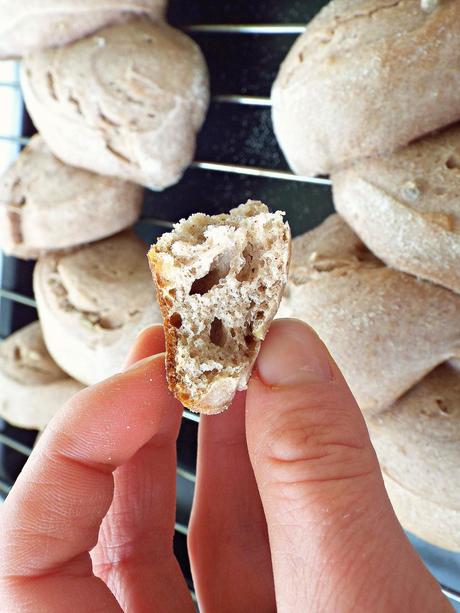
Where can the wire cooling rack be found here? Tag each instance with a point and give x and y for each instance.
(237, 157)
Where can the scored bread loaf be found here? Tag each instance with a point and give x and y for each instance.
(125, 102)
(32, 386)
(367, 77)
(92, 303)
(46, 205)
(405, 207)
(418, 445)
(30, 25)
(385, 329)
(219, 282)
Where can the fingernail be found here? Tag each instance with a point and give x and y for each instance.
(141, 363)
(292, 354)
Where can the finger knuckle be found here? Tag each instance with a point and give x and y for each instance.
(303, 449)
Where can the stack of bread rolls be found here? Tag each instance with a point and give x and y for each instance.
(118, 97)
(360, 97)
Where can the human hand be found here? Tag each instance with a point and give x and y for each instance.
(89, 523)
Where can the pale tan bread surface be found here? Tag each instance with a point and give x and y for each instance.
(30, 25)
(406, 207)
(32, 386)
(219, 282)
(126, 101)
(385, 329)
(93, 302)
(418, 445)
(46, 205)
(367, 77)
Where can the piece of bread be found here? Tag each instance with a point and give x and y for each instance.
(46, 205)
(219, 282)
(32, 386)
(418, 445)
(93, 302)
(30, 25)
(367, 77)
(385, 329)
(405, 207)
(126, 102)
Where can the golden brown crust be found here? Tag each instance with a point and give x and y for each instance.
(169, 330)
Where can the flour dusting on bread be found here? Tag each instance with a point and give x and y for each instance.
(220, 281)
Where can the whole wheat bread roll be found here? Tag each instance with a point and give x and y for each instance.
(46, 205)
(126, 102)
(93, 302)
(32, 386)
(385, 329)
(418, 445)
(30, 25)
(219, 281)
(367, 77)
(406, 207)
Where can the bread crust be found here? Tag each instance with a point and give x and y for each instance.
(417, 442)
(399, 327)
(88, 331)
(405, 207)
(46, 205)
(127, 101)
(32, 386)
(366, 77)
(31, 25)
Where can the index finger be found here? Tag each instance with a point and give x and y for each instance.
(52, 516)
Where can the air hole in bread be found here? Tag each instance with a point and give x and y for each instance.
(175, 320)
(248, 269)
(218, 271)
(250, 341)
(452, 163)
(217, 333)
(442, 406)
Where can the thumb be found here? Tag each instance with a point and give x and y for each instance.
(335, 542)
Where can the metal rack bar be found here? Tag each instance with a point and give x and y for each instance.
(13, 444)
(191, 416)
(186, 474)
(15, 297)
(20, 140)
(161, 223)
(450, 593)
(181, 528)
(240, 169)
(245, 100)
(246, 28)
(4, 487)
(268, 173)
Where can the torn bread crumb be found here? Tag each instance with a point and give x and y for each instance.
(220, 280)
